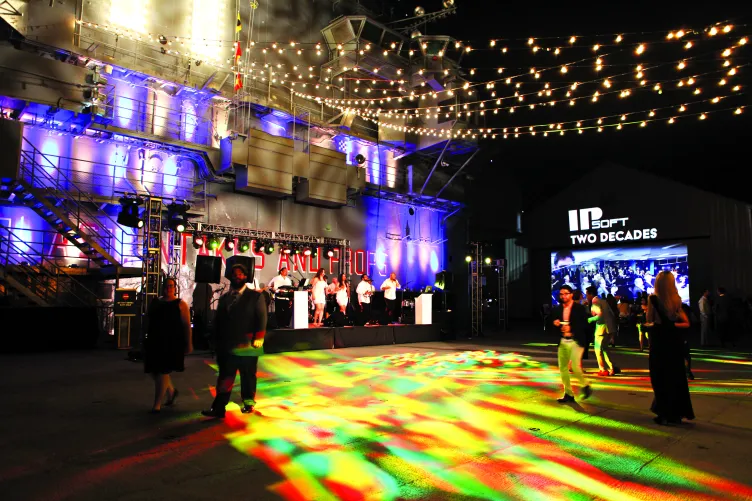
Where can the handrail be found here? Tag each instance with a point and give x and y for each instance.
(45, 268)
(104, 236)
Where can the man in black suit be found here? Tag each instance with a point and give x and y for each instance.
(571, 319)
(240, 327)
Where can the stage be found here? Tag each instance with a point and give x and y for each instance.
(326, 338)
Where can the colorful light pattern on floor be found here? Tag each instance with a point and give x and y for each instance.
(464, 425)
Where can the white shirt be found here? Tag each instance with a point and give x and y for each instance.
(279, 281)
(361, 290)
(391, 292)
(705, 306)
(254, 285)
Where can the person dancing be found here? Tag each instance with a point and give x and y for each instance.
(390, 287)
(318, 291)
(571, 319)
(665, 320)
(168, 340)
(343, 293)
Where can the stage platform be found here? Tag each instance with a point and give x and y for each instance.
(326, 338)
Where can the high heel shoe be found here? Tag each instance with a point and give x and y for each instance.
(172, 398)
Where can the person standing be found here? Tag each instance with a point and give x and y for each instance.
(318, 293)
(666, 319)
(571, 320)
(343, 293)
(364, 291)
(168, 339)
(390, 287)
(240, 327)
(705, 311)
(605, 326)
(722, 310)
(282, 310)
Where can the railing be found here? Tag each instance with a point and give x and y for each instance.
(45, 279)
(72, 201)
(110, 182)
(53, 247)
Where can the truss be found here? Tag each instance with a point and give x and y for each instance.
(263, 235)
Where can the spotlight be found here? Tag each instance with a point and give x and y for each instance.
(258, 247)
(468, 259)
(286, 249)
(198, 63)
(244, 245)
(163, 39)
(129, 212)
(198, 241)
(360, 159)
(229, 243)
(269, 248)
(411, 210)
(307, 251)
(314, 251)
(213, 242)
(488, 260)
(177, 216)
(329, 252)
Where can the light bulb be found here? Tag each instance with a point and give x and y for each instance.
(596, 47)
(671, 120)
(640, 49)
(703, 116)
(743, 41)
(530, 41)
(572, 39)
(726, 53)
(688, 45)
(681, 65)
(738, 111)
(618, 38)
(682, 108)
(651, 114)
(727, 28)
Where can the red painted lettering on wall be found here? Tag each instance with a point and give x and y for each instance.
(360, 262)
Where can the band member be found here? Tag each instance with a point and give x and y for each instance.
(333, 287)
(240, 325)
(390, 287)
(364, 291)
(343, 292)
(318, 292)
(282, 310)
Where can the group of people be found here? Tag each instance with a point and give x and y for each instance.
(665, 319)
(338, 293)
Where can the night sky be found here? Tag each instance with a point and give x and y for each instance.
(712, 154)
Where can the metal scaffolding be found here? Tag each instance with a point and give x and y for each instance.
(481, 293)
(476, 290)
(152, 262)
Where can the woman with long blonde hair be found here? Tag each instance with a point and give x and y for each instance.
(665, 321)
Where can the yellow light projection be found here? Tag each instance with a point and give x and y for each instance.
(131, 14)
(207, 29)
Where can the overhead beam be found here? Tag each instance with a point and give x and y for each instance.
(438, 160)
(457, 173)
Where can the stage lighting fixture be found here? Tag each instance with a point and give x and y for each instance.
(129, 212)
(468, 259)
(411, 211)
(286, 249)
(307, 251)
(244, 245)
(213, 242)
(360, 159)
(229, 243)
(488, 260)
(329, 252)
(198, 241)
(269, 248)
(177, 216)
(314, 251)
(258, 246)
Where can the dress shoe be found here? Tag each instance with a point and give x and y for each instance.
(586, 392)
(247, 409)
(565, 399)
(172, 398)
(214, 413)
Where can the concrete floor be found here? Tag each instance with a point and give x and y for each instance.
(461, 420)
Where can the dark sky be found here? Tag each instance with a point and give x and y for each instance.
(712, 154)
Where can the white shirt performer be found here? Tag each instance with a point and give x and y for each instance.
(282, 309)
(390, 287)
(364, 291)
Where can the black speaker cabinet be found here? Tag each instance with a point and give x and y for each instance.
(248, 261)
(208, 269)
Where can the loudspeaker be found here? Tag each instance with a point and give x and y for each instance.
(248, 261)
(444, 280)
(208, 269)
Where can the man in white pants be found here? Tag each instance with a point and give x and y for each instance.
(571, 319)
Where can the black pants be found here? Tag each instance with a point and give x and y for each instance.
(365, 313)
(391, 309)
(282, 312)
(229, 365)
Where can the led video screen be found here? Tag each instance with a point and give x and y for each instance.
(624, 272)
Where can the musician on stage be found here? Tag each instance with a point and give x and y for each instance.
(390, 287)
(365, 290)
(333, 287)
(282, 310)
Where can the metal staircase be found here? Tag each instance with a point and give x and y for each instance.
(43, 187)
(37, 277)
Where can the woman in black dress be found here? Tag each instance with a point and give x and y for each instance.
(666, 320)
(168, 340)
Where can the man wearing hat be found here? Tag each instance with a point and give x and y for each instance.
(239, 327)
